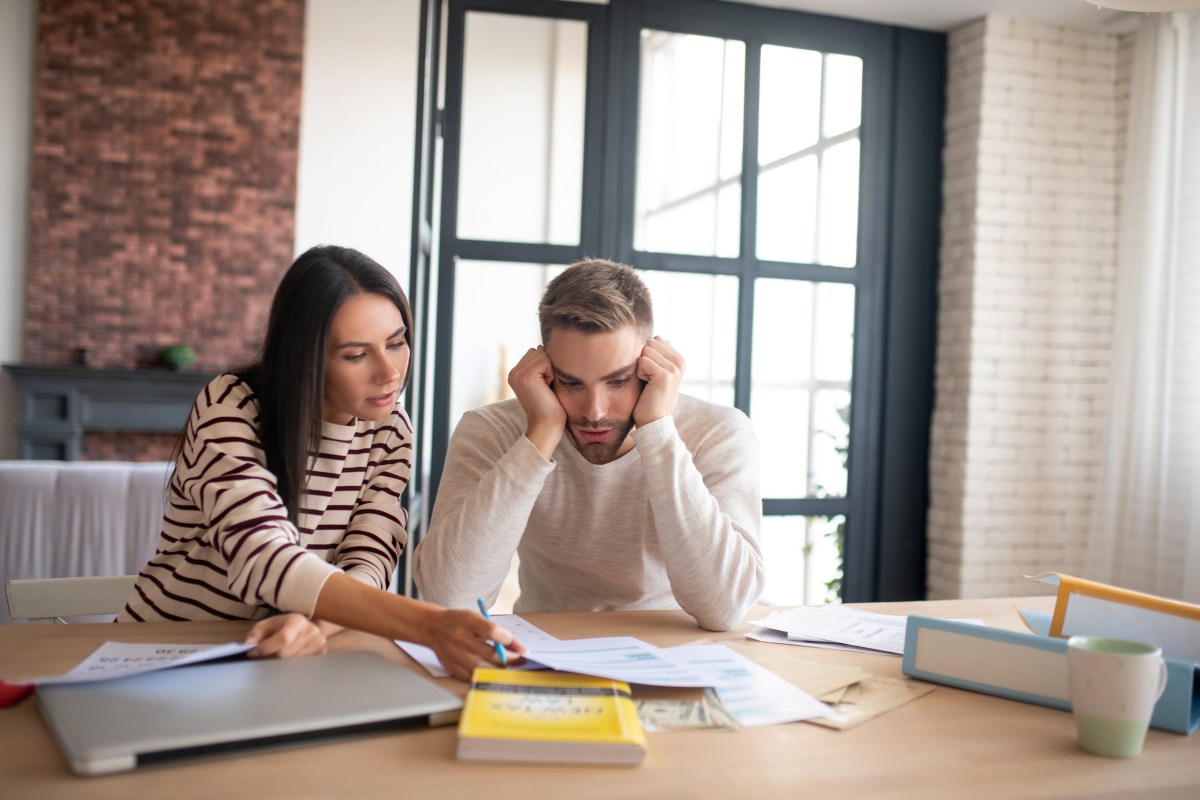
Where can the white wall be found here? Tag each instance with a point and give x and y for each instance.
(18, 32)
(1034, 140)
(357, 119)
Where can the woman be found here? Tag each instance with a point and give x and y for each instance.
(255, 528)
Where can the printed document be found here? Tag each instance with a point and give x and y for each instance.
(622, 658)
(118, 659)
(840, 625)
(753, 694)
(529, 634)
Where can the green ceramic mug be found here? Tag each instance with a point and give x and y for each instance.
(1114, 686)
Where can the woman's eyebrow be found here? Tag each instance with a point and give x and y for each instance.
(398, 332)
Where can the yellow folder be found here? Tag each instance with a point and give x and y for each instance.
(1090, 608)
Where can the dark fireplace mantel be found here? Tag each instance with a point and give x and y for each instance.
(60, 403)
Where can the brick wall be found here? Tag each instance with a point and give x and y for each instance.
(125, 446)
(1034, 140)
(163, 179)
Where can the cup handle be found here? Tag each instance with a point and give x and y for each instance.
(1162, 680)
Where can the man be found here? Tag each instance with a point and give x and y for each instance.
(616, 491)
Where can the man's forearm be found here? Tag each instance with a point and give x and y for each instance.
(476, 528)
(707, 530)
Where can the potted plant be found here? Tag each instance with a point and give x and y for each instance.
(178, 356)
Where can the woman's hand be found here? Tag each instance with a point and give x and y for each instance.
(463, 641)
(286, 636)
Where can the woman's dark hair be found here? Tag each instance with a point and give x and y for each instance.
(289, 376)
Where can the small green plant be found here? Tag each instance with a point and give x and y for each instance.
(833, 586)
(178, 356)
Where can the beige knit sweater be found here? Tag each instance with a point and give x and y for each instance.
(672, 523)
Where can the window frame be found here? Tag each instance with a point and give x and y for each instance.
(895, 277)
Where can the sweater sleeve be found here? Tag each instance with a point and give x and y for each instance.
(225, 478)
(376, 533)
(707, 508)
(489, 486)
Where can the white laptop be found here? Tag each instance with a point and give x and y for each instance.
(229, 708)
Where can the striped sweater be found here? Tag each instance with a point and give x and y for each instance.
(227, 549)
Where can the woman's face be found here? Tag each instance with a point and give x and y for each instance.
(366, 360)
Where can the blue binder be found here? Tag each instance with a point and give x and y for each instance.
(1027, 667)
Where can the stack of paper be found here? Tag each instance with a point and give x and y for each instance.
(753, 694)
(749, 684)
(853, 695)
(838, 627)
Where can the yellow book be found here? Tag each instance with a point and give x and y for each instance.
(513, 715)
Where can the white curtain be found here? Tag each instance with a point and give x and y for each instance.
(1146, 526)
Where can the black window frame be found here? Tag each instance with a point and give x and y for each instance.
(895, 278)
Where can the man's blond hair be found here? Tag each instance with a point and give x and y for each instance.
(596, 295)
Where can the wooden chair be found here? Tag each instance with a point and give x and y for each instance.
(47, 600)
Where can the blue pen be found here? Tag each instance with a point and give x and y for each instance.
(499, 647)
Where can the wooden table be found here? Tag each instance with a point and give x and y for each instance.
(949, 743)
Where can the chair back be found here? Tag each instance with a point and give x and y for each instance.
(45, 600)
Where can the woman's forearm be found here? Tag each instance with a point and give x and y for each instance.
(349, 603)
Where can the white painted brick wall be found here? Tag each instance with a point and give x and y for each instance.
(1035, 127)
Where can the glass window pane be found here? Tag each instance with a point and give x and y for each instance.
(787, 212)
(697, 314)
(789, 97)
(839, 205)
(782, 331)
(521, 159)
(729, 220)
(834, 304)
(800, 389)
(781, 384)
(690, 226)
(803, 559)
(495, 322)
(843, 94)
(697, 226)
(830, 442)
(780, 415)
(810, 111)
(689, 144)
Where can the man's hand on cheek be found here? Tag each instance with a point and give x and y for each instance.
(531, 380)
(661, 367)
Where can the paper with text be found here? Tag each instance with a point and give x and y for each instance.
(118, 659)
(622, 658)
(529, 634)
(772, 636)
(753, 694)
(841, 625)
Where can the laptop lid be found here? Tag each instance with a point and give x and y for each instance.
(228, 708)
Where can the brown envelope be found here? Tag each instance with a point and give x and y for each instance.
(856, 696)
(876, 696)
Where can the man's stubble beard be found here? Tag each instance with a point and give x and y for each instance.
(601, 452)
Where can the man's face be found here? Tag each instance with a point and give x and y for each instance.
(595, 380)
